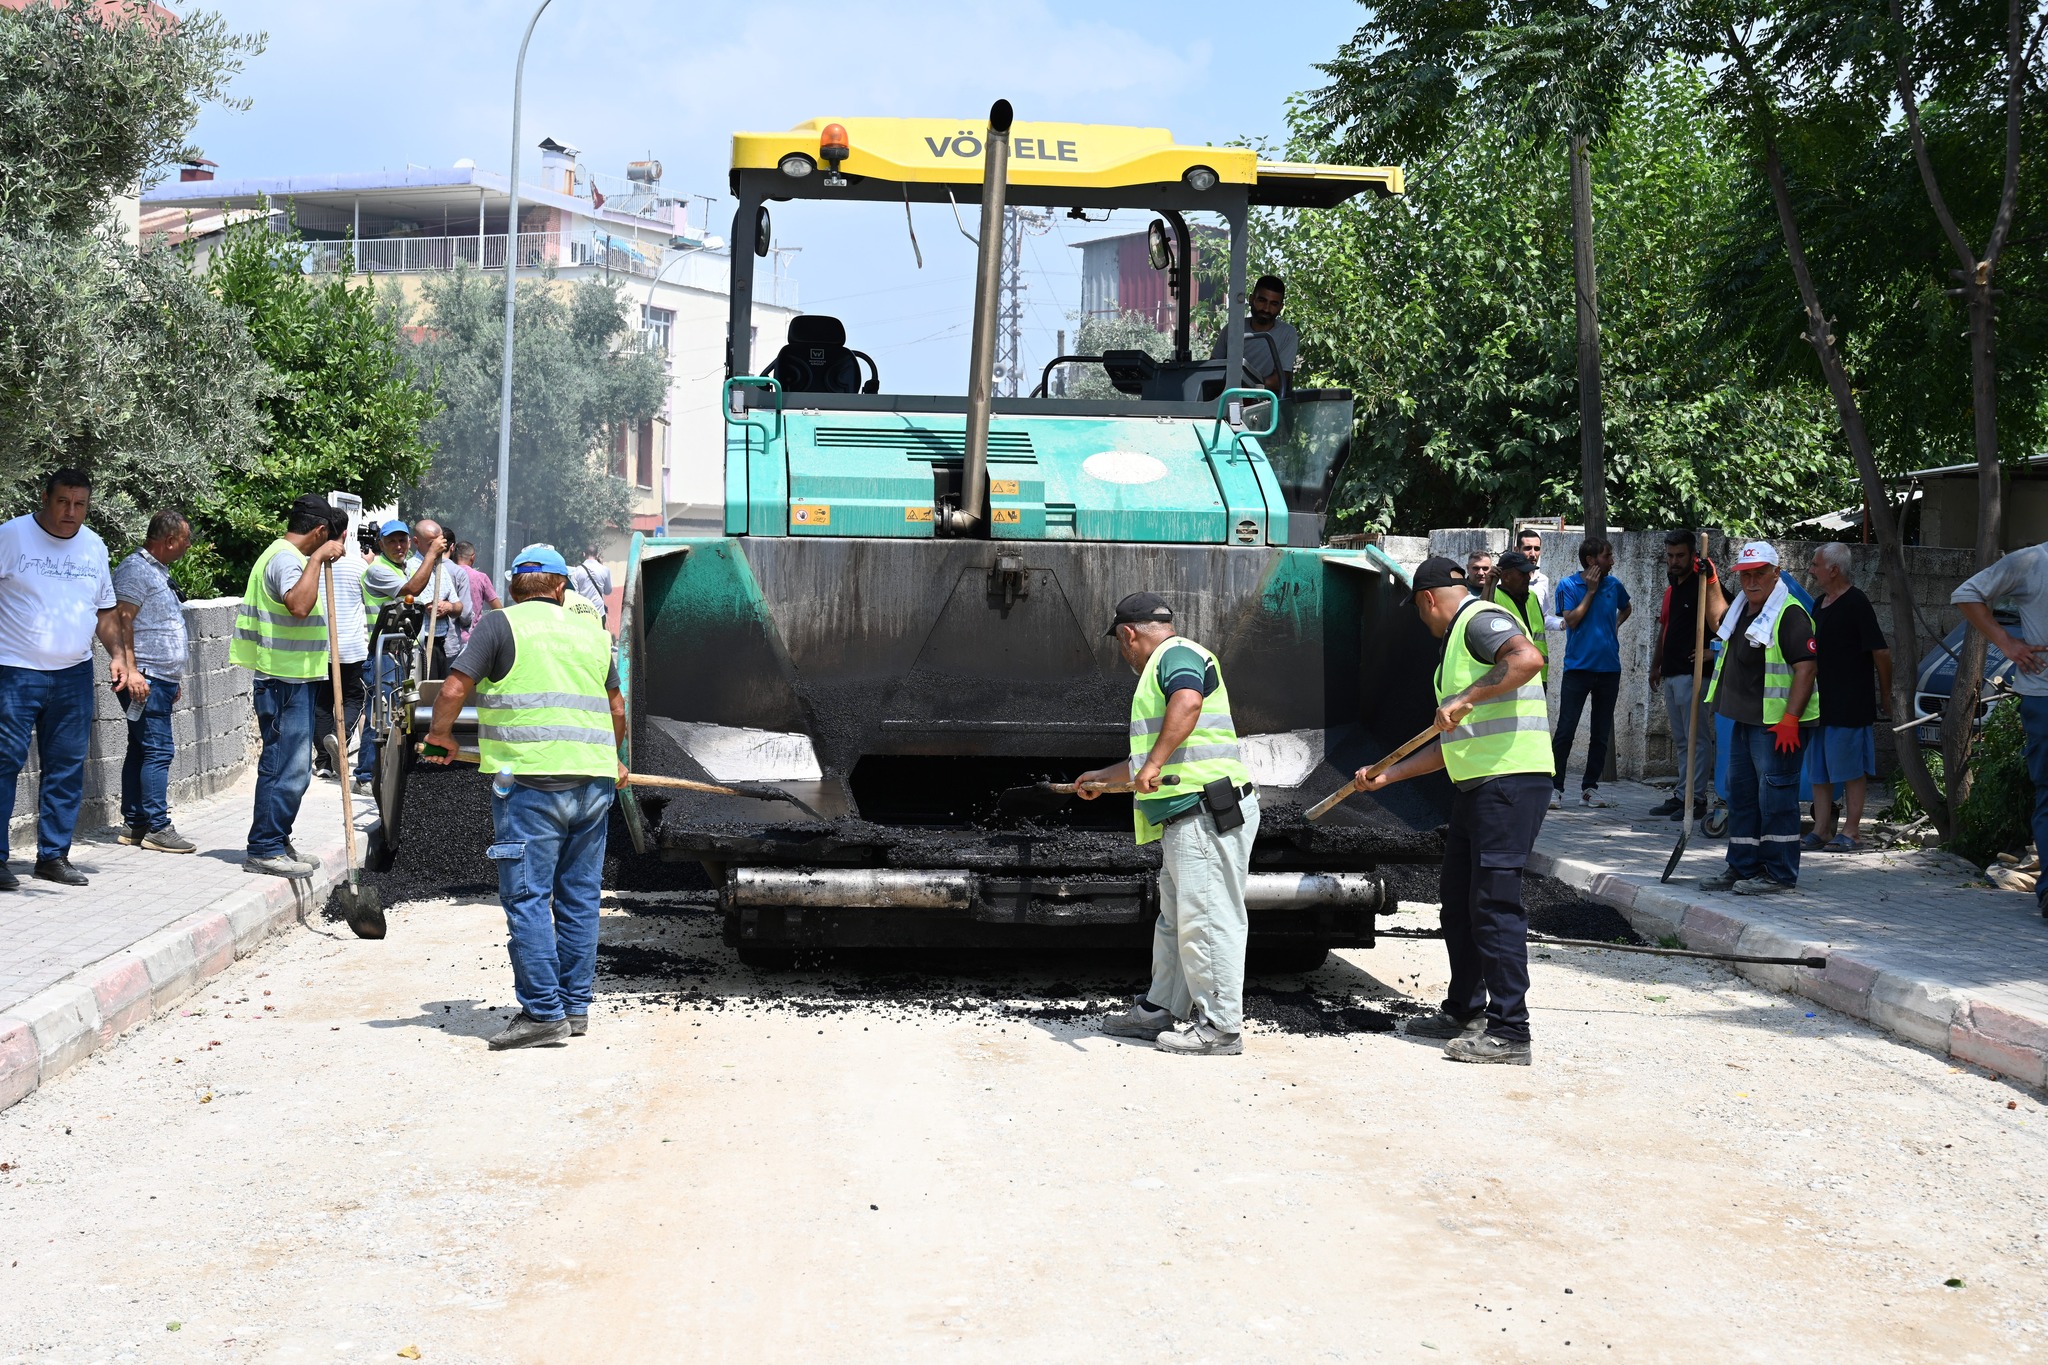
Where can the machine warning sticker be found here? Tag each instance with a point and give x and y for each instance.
(917, 514)
(1008, 516)
(1002, 488)
(810, 514)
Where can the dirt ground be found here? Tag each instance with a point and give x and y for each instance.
(318, 1160)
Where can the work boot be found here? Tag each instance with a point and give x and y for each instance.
(166, 839)
(10, 882)
(280, 865)
(59, 870)
(1199, 1040)
(1440, 1024)
(1487, 1048)
(1724, 880)
(1762, 886)
(579, 1024)
(527, 1031)
(1137, 1022)
(1672, 806)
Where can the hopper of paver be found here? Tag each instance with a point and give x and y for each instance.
(905, 615)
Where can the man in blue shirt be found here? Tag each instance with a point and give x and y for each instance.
(1593, 604)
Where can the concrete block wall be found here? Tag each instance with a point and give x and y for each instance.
(214, 726)
(1642, 738)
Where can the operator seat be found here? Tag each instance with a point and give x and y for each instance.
(816, 359)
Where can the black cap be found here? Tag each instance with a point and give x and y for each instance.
(1139, 608)
(1436, 572)
(313, 505)
(1515, 559)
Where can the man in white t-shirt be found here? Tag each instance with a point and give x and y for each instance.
(1270, 345)
(56, 595)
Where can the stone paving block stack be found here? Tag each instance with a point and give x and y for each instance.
(214, 725)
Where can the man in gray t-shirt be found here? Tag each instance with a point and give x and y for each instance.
(2020, 579)
(1270, 345)
(152, 618)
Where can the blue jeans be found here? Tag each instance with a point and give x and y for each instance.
(284, 717)
(1763, 804)
(55, 708)
(380, 676)
(1579, 684)
(146, 772)
(550, 857)
(2034, 720)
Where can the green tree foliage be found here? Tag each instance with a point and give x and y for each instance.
(1449, 312)
(578, 371)
(1993, 817)
(111, 359)
(1130, 332)
(345, 405)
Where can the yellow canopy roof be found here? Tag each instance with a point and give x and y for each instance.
(1084, 155)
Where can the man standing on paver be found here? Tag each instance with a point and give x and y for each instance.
(152, 616)
(2020, 578)
(1853, 676)
(1594, 606)
(1687, 574)
(1763, 682)
(1496, 751)
(281, 635)
(55, 597)
(550, 720)
(394, 573)
(1205, 823)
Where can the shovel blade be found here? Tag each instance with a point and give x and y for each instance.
(362, 909)
(1671, 864)
(761, 791)
(1024, 802)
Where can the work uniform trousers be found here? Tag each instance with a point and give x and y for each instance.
(1678, 711)
(53, 708)
(1486, 929)
(1199, 940)
(1763, 804)
(550, 857)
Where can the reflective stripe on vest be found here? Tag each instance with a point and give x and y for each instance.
(1530, 614)
(268, 638)
(1210, 751)
(549, 716)
(1509, 734)
(1777, 675)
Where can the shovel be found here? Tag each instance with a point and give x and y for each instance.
(1044, 796)
(1351, 788)
(363, 909)
(1692, 724)
(758, 791)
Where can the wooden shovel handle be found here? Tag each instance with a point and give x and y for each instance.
(1352, 788)
(632, 779)
(1104, 788)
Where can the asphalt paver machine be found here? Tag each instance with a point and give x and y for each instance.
(905, 613)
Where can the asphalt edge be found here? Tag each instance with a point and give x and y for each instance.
(1933, 1015)
(56, 1029)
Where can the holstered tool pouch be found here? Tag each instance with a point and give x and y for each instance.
(1224, 803)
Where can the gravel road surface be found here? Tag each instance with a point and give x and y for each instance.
(318, 1160)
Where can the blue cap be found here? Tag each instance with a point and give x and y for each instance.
(393, 527)
(540, 559)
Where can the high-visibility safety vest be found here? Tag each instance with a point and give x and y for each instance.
(1210, 751)
(549, 716)
(268, 638)
(1530, 614)
(1777, 676)
(373, 602)
(1509, 734)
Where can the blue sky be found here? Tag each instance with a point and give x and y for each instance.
(378, 83)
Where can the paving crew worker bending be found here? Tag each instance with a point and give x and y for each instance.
(1205, 823)
(549, 723)
(1496, 751)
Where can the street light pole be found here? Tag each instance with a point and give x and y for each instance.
(499, 563)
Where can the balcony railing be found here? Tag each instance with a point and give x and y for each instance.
(615, 255)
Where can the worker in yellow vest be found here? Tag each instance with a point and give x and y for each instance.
(1204, 820)
(1496, 751)
(550, 720)
(281, 636)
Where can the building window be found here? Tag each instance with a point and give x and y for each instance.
(617, 463)
(657, 324)
(643, 464)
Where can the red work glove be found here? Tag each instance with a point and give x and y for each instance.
(1787, 731)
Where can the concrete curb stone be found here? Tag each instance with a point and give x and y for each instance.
(52, 1031)
(1928, 1013)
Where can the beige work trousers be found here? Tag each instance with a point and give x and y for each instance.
(1199, 941)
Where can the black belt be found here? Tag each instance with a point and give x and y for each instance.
(1248, 789)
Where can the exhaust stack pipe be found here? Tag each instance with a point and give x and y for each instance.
(988, 273)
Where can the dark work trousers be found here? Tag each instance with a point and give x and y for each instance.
(352, 695)
(1763, 804)
(1578, 685)
(1486, 930)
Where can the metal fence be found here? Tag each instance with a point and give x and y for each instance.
(416, 255)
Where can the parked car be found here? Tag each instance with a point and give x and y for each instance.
(1937, 677)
